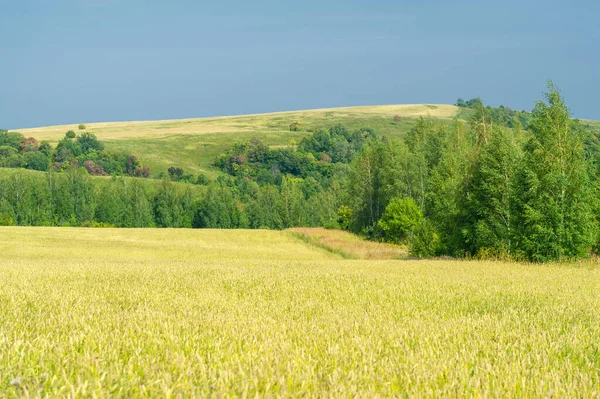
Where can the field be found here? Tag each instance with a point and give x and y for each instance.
(193, 144)
(179, 313)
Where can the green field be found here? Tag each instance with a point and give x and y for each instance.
(180, 313)
(193, 144)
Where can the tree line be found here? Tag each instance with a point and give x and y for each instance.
(478, 188)
(74, 198)
(483, 191)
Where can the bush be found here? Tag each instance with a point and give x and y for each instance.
(70, 134)
(10, 157)
(331, 224)
(36, 160)
(10, 139)
(344, 215)
(175, 173)
(202, 180)
(295, 127)
(7, 214)
(424, 241)
(141, 171)
(400, 218)
(94, 169)
(29, 144)
(81, 127)
(89, 142)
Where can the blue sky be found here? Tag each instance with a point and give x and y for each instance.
(71, 61)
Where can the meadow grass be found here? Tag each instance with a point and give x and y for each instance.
(275, 121)
(193, 144)
(215, 313)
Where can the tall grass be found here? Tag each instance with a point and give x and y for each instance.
(183, 313)
(348, 245)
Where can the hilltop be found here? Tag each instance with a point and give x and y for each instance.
(194, 143)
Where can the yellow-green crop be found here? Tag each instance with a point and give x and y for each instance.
(184, 313)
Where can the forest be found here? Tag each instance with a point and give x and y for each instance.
(502, 184)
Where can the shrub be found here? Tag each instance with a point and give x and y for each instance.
(81, 127)
(202, 180)
(331, 224)
(424, 241)
(344, 215)
(10, 139)
(94, 169)
(36, 160)
(70, 134)
(89, 142)
(29, 144)
(7, 214)
(10, 158)
(142, 171)
(400, 218)
(175, 173)
(295, 127)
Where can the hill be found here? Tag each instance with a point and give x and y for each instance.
(194, 143)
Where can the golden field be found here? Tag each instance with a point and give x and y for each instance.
(215, 313)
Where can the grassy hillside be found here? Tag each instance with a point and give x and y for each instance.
(183, 313)
(193, 144)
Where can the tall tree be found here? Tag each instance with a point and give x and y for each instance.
(486, 210)
(366, 188)
(445, 188)
(553, 197)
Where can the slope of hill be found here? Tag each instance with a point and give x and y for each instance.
(194, 143)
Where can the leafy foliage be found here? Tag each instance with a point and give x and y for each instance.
(402, 215)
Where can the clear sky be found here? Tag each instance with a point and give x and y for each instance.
(71, 61)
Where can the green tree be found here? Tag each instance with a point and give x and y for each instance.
(7, 213)
(553, 207)
(11, 139)
(81, 192)
(424, 241)
(171, 208)
(218, 208)
(89, 142)
(400, 218)
(487, 214)
(418, 169)
(445, 188)
(265, 211)
(292, 199)
(366, 194)
(36, 160)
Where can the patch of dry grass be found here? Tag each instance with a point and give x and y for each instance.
(349, 245)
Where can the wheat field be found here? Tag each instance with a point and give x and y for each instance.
(215, 313)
